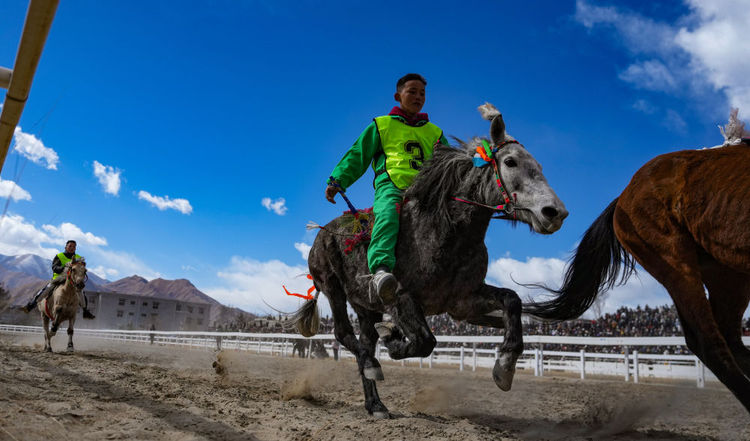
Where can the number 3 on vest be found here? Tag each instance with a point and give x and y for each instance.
(415, 149)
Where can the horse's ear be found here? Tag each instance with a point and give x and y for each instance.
(497, 126)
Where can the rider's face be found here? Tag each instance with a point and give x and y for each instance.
(70, 247)
(411, 97)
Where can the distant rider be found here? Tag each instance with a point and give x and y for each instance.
(58, 268)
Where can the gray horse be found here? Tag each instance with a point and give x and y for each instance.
(441, 257)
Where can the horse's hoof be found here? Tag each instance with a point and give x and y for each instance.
(70, 348)
(385, 329)
(374, 373)
(505, 368)
(47, 349)
(379, 411)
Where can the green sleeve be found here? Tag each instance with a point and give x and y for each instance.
(355, 162)
(443, 140)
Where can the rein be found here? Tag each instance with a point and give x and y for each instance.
(46, 309)
(354, 211)
(508, 207)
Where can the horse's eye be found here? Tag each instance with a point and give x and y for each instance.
(510, 162)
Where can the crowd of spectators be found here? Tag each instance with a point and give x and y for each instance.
(644, 321)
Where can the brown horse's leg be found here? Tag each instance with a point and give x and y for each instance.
(729, 294)
(669, 254)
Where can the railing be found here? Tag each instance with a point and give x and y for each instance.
(630, 365)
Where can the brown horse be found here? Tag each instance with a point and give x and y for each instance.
(684, 217)
(63, 304)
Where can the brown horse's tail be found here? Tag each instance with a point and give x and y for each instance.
(307, 319)
(594, 268)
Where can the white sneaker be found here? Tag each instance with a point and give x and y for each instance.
(385, 285)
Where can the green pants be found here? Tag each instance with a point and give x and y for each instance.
(382, 249)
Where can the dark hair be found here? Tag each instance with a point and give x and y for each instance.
(408, 77)
(74, 242)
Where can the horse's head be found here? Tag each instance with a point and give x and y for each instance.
(529, 198)
(76, 272)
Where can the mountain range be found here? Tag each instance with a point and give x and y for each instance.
(23, 275)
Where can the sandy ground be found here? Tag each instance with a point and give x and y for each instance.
(141, 392)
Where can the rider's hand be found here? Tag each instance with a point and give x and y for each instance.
(331, 193)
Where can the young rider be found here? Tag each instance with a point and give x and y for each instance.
(396, 145)
(58, 267)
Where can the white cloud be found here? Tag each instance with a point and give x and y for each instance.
(719, 46)
(124, 263)
(507, 272)
(67, 231)
(253, 285)
(278, 206)
(105, 273)
(638, 34)
(109, 177)
(19, 236)
(673, 121)
(32, 148)
(645, 107)
(303, 248)
(649, 75)
(703, 52)
(9, 189)
(164, 202)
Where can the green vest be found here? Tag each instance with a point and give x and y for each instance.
(406, 148)
(64, 259)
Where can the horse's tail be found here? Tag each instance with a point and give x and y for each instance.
(594, 268)
(307, 319)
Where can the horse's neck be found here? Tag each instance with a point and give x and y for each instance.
(467, 226)
(67, 289)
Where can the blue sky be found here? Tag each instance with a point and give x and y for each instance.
(194, 142)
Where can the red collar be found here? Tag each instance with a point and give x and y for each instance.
(419, 117)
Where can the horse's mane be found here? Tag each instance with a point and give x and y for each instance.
(451, 172)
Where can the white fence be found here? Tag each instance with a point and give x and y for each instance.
(459, 351)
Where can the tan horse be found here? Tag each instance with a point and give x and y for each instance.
(63, 304)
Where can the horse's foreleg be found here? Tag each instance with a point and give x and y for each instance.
(490, 298)
(413, 338)
(56, 321)
(71, 322)
(47, 337)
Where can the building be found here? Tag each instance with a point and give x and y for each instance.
(129, 311)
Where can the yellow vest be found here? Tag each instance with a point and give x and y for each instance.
(406, 148)
(64, 260)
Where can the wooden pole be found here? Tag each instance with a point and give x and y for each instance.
(39, 18)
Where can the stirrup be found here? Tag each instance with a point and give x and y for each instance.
(88, 315)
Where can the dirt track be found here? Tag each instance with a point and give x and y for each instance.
(160, 393)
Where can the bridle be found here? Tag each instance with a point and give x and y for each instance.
(486, 153)
(85, 275)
